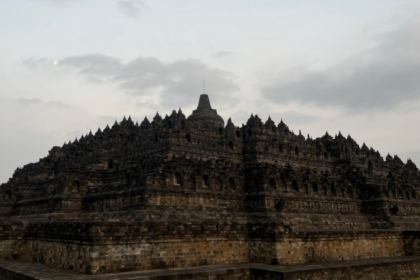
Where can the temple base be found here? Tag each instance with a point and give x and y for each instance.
(381, 268)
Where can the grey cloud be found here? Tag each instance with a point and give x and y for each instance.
(57, 104)
(106, 120)
(223, 54)
(148, 104)
(239, 117)
(94, 80)
(24, 101)
(131, 8)
(38, 101)
(34, 63)
(381, 78)
(177, 81)
(293, 117)
(96, 65)
(58, 2)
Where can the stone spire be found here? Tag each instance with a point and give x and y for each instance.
(205, 114)
(204, 103)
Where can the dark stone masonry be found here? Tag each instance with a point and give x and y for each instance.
(193, 198)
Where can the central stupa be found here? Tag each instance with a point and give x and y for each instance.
(205, 114)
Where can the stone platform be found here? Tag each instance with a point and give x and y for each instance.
(367, 269)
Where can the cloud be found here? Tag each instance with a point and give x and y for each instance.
(28, 102)
(93, 66)
(57, 104)
(174, 83)
(221, 54)
(294, 117)
(131, 8)
(380, 78)
(106, 120)
(38, 101)
(60, 3)
(35, 127)
(34, 62)
(148, 104)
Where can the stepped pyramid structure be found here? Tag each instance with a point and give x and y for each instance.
(179, 192)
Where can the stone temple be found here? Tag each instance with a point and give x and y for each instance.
(195, 198)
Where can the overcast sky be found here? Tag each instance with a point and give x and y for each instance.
(351, 66)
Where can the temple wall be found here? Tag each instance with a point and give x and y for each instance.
(305, 248)
(197, 200)
(9, 249)
(47, 205)
(337, 249)
(58, 254)
(136, 256)
(5, 209)
(119, 249)
(176, 253)
(11, 240)
(315, 204)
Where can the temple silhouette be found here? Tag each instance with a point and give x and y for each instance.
(214, 201)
